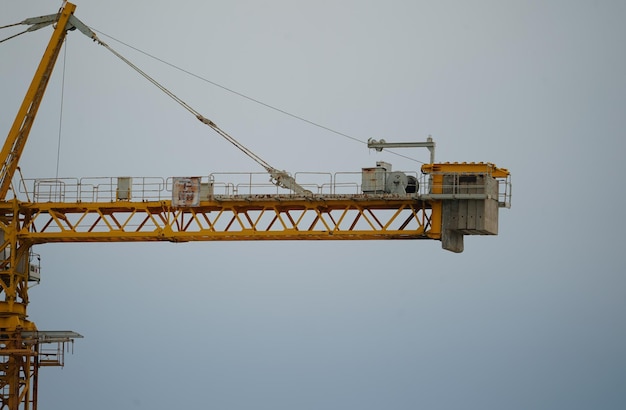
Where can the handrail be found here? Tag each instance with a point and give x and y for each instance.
(226, 185)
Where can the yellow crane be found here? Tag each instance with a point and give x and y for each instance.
(444, 202)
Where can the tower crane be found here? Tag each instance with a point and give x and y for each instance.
(443, 201)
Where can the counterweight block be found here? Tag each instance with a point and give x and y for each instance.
(474, 211)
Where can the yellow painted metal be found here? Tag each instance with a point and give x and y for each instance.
(18, 360)
(465, 168)
(264, 217)
(16, 140)
(18, 357)
(227, 220)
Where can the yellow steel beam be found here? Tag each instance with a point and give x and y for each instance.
(229, 220)
(16, 139)
(486, 168)
(18, 359)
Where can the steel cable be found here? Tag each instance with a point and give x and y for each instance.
(13, 36)
(186, 106)
(279, 178)
(254, 100)
(11, 25)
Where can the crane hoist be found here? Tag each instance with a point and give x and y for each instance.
(443, 201)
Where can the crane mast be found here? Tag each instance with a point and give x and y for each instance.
(21, 353)
(443, 201)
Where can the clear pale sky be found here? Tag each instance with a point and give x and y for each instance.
(533, 318)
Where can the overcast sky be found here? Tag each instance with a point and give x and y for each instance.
(533, 318)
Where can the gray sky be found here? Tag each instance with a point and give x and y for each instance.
(532, 318)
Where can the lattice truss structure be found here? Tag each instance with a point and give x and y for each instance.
(22, 353)
(18, 362)
(232, 219)
(455, 200)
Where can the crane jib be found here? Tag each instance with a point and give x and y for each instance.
(442, 201)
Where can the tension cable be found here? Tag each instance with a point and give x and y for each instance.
(35, 23)
(278, 177)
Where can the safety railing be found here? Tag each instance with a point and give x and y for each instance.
(224, 185)
(478, 186)
(95, 189)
